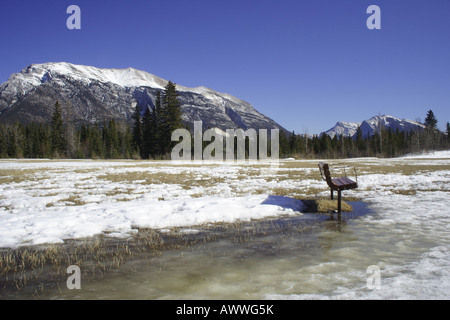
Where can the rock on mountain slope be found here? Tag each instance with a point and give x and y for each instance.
(89, 94)
(374, 124)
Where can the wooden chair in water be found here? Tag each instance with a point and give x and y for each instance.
(338, 184)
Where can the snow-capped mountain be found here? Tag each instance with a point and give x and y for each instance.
(372, 125)
(90, 94)
(343, 128)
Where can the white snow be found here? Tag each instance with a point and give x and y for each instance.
(372, 125)
(430, 155)
(343, 128)
(408, 231)
(37, 74)
(43, 209)
(128, 77)
(409, 236)
(34, 226)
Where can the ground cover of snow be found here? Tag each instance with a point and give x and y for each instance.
(48, 201)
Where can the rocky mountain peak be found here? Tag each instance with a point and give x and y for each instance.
(90, 94)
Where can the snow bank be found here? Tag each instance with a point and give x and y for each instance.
(53, 225)
(445, 154)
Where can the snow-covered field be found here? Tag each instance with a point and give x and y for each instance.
(49, 201)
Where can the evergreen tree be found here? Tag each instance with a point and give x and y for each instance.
(149, 127)
(15, 141)
(292, 143)
(110, 140)
(137, 130)
(84, 135)
(360, 145)
(44, 141)
(29, 140)
(2, 141)
(170, 117)
(127, 148)
(95, 143)
(12, 147)
(284, 150)
(57, 131)
(158, 148)
(431, 121)
(325, 146)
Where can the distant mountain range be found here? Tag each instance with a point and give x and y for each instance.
(90, 94)
(374, 124)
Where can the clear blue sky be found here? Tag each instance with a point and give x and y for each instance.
(304, 63)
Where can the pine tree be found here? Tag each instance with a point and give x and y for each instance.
(44, 138)
(431, 121)
(360, 146)
(325, 146)
(127, 148)
(95, 143)
(149, 127)
(57, 131)
(84, 135)
(110, 140)
(158, 148)
(284, 149)
(12, 146)
(2, 141)
(292, 143)
(137, 130)
(170, 117)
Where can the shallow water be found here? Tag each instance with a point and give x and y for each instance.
(310, 254)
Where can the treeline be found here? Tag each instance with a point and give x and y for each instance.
(45, 141)
(383, 143)
(150, 138)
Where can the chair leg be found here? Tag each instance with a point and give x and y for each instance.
(339, 201)
(332, 196)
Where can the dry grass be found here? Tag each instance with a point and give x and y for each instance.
(17, 175)
(322, 205)
(73, 200)
(43, 266)
(186, 180)
(400, 168)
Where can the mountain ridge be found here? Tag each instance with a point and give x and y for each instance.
(93, 94)
(372, 125)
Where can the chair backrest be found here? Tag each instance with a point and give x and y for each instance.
(325, 172)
